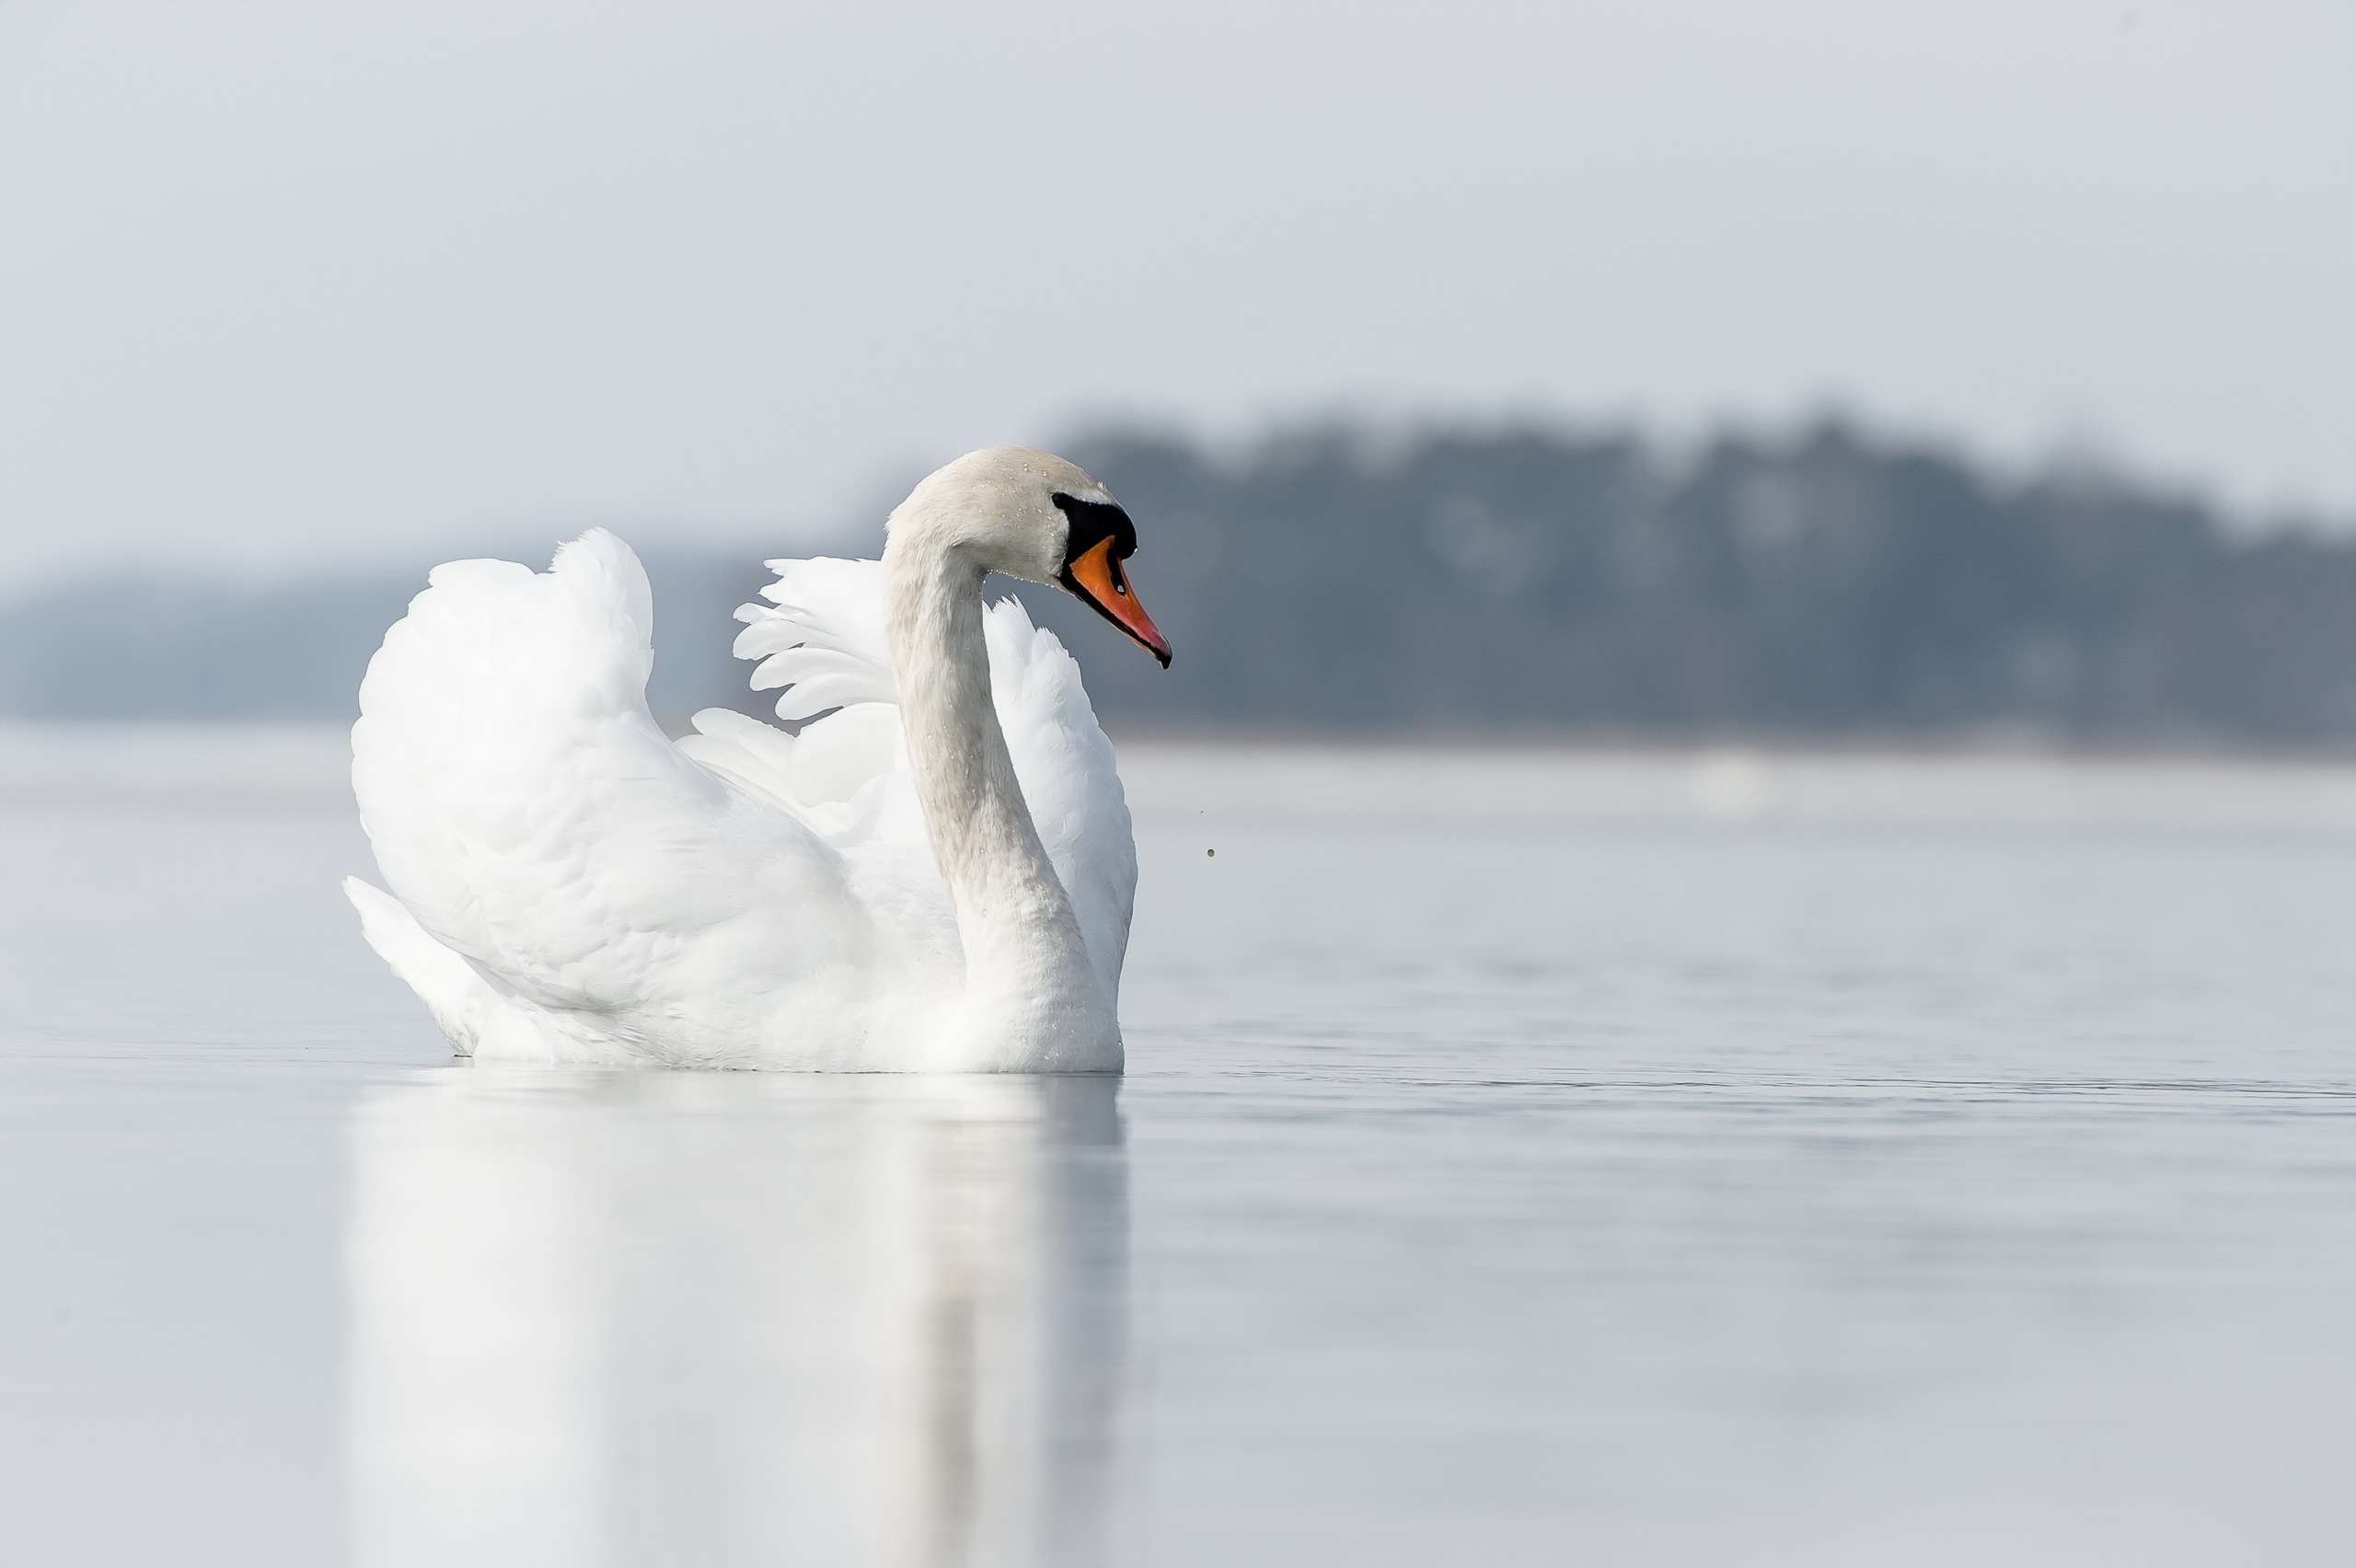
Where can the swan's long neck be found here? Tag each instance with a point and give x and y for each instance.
(1027, 974)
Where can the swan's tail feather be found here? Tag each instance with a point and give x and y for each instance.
(447, 985)
(479, 1017)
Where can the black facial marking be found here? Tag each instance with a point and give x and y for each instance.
(1093, 522)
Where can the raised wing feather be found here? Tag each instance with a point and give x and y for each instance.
(533, 819)
(823, 634)
(821, 637)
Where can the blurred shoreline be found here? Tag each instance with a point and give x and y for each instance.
(1994, 745)
(1822, 590)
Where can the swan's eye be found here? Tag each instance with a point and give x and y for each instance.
(1092, 523)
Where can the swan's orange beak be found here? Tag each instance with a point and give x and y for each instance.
(1096, 576)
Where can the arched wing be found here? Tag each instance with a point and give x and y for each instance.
(534, 820)
(846, 773)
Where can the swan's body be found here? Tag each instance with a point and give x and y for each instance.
(937, 875)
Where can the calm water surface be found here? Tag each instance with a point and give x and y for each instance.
(1527, 1158)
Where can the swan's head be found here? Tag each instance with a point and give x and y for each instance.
(1033, 515)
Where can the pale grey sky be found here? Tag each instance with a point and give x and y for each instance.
(283, 284)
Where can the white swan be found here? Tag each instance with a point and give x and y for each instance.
(935, 877)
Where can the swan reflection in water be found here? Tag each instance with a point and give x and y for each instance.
(611, 1317)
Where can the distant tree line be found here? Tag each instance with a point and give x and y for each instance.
(1523, 582)
(1824, 586)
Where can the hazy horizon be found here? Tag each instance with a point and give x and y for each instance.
(855, 524)
(283, 288)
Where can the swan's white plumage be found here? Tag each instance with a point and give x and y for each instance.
(573, 885)
(847, 776)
